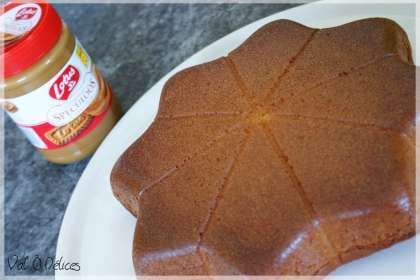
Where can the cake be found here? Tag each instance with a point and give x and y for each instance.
(292, 155)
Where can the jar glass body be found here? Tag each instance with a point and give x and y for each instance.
(44, 70)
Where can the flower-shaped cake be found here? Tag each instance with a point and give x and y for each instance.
(292, 155)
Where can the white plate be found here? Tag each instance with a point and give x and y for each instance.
(97, 231)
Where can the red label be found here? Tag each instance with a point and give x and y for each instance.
(42, 129)
(65, 84)
(26, 13)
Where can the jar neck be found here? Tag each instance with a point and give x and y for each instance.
(43, 70)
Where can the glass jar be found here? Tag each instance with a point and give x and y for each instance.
(51, 88)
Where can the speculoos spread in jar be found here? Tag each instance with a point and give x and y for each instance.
(50, 87)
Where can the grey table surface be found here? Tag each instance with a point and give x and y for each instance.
(134, 45)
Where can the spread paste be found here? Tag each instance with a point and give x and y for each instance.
(51, 89)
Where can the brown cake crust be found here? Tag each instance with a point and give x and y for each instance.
(291, 156)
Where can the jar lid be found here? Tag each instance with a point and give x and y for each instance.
(29, 30)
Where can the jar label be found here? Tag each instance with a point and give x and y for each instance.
(65, 108)
(18, 20)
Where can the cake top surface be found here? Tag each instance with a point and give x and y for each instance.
(292, 155)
